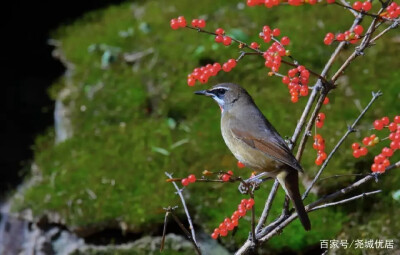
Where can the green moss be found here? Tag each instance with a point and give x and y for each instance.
(112, 169)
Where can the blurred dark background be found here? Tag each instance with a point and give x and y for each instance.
(28, 69)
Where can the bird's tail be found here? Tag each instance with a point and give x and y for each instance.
(290, 183)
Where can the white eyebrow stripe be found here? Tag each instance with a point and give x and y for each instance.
(215, 88)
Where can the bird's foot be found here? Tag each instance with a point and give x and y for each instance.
(253, 183)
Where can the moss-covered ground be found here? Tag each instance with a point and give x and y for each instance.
(132, 122)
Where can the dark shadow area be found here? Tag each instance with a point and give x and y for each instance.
(28, 69)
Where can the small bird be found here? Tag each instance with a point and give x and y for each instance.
(255, 142)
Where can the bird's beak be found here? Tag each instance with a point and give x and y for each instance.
(203, 92)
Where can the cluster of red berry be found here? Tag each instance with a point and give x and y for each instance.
(267, 34)
(359, 6)
(202, 74)
(200, 23)
(381, 161)
(230, 223)
(319, 146)
(351, 37)
(392, 11)
(222, 38)
(190, 179)
(273, 56)
(226, 177)
(178, 23)
(319, 122)
(359, 151)
(272, 3)
(297, 82)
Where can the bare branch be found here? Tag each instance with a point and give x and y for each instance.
(268, 205)
(345, 200)
(179, 192)
(349, 130)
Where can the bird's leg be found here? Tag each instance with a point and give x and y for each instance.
(254, 182)
(285, 210)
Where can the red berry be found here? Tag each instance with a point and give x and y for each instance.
(251, 2)
(378, 124)
(355, 146)
(254, 45)
(385, 121)
(326, 100)
(235, 222)
(285, 40)
(226, 177)
(381, 168)
(242, 212)
(387, 152)
(226, 67)
(285, 80)
(366, 141)
(392, 127)
(319, 123)
(294, 99)
(374, 167)
(319, 161)
(250, 201)
(195, 22)
(232, 63)
(174, 24)
(304, 91)
(182, 21)
(356, 153)
(223, 232)
(397, 119)
(214, 235)
(327, 41)
(321, 116)
(201, 23)
(330, 36)
(363, 151)
(230, 172)
(276, 32)
(227, 40)
(192, 178)
(219, 39)
(240, 164)
(340, 37)
(330, 1)
(322, 154)
(219, 31)
(358, 29)
(366, 6)
(357, 5)
(292, 72)
(185, 182)
(191, 82)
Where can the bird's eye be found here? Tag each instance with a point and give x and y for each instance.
(220, 91)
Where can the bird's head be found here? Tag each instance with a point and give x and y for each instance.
(227, 95)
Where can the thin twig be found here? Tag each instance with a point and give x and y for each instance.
(253, 219)
(179, 192)
(268, 205)
(349, 130)
(180, 224)
(164, 229)
(340, 175)
(345, 200)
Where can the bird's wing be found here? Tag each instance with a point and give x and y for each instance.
(263, 136)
